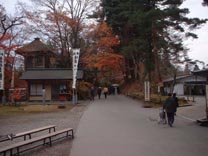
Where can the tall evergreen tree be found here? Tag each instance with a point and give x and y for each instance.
(150, 31)
(205, 2)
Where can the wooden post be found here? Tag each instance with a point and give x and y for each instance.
(206, 101)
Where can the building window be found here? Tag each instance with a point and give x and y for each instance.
(39, 61)
(36, 89)
(35, 62)
(30, 63)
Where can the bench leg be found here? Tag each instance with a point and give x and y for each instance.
(11, 152)
(18, 151)
(72, 134)
(30, 136)
(50, 142)
(44, 141)
(54, 129)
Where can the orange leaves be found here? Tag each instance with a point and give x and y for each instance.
(106, 38)
(100, 52)
(5, 38)
(108, 42)
(104, 61)
(102, 38)
(109, 60)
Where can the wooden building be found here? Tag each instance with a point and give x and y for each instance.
(44, 79)
(186, 85)
(204, 73)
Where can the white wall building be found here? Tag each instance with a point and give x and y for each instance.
(186, 85)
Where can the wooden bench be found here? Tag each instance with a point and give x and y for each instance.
(15, 149)
(30, 132)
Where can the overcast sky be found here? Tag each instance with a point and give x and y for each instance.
(198, 48)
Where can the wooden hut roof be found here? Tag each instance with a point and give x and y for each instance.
(33, 47)
(203, 72)
(51, 74)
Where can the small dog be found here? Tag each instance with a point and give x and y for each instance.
(162, 117)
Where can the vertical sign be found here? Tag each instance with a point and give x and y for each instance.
(206, 101)
(1, 69)
(147, 91)
(207, 92)
(75, 60)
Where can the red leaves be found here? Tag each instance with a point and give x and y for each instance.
(104, 60)
(6, 38)
(100, 54)
(106, 38)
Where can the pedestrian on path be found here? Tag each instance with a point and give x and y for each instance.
(176, 101)
(92, 93)
(170, 107)
(105, 91)
(99, 91)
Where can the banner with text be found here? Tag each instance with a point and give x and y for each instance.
(75, 60)
(1, 69)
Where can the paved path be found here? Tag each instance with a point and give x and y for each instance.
(119, 126)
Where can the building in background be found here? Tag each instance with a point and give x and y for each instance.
(42, 75)
(186, 85)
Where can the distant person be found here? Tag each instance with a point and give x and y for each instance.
(105, 91)
(176, 101)
(118, 90)
(92, 93)
(99, 91)
(170, 108)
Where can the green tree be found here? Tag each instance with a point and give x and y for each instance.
(205, 3)
(150, 31)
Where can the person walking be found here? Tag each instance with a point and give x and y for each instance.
(170, 108)
(176, 101)
(99, 91)
(105, 91)
(92, 93)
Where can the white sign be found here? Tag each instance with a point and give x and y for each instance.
(206, 96)
(147, 91)
(75, 60)
(1, 69)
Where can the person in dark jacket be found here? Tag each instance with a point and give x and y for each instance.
(92, 93)
(99, 91)
(170, 108)
(176, 101)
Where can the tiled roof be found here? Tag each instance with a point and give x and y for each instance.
(177, 78)
(50, 74)
(203, 72)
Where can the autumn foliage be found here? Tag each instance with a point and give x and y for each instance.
(100, 54)
(9, 62)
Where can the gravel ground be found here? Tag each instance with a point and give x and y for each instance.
(24, 122)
